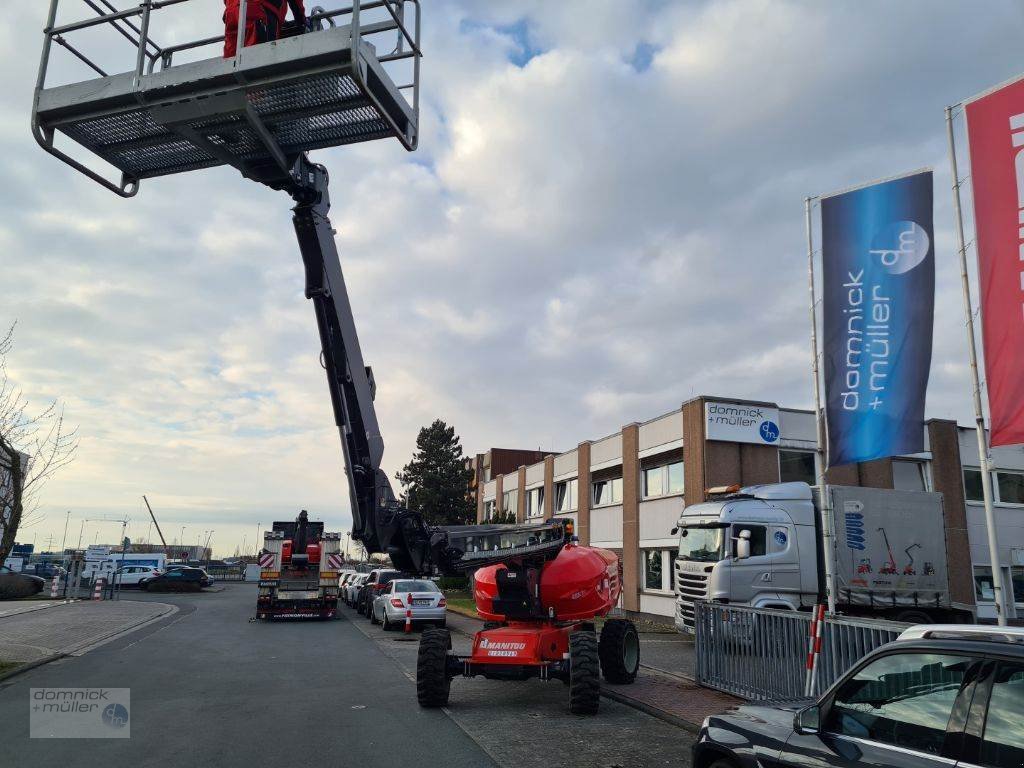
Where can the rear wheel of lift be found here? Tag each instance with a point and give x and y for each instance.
(619, 650)
(432, 681)
(584, 674)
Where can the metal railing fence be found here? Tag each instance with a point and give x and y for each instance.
(760, 654)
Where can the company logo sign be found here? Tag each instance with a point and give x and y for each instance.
(79, 713)
(741, 423)
(501, 648)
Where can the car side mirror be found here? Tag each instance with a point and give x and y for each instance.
(807, 721)
(743, 545)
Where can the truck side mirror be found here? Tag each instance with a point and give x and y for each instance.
(743, 545)
(674, 531)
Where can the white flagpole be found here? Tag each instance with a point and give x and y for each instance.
(979, 415)
(827, 526)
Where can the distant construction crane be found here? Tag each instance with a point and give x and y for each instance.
(158, 531)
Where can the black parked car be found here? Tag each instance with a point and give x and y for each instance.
(177, 579)
(377, 581)
(938, 696)
(14, 584)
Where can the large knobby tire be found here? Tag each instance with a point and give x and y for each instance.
(584, 674)
(619, 650)
(432, 682)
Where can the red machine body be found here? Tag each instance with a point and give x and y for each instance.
(580, 583)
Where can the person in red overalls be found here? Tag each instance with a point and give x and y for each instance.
(256, 27)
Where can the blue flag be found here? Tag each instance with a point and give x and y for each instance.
(878, 275)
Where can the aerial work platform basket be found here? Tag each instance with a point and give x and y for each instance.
(257, 111)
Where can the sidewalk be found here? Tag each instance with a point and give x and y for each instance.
(663, 688)
(30, 633)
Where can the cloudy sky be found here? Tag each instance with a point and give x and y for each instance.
(604, 218)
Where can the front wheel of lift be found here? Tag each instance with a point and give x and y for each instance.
(584, 674)
(619, 650)
(432, 681)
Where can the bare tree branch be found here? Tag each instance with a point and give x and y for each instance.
(33, 448)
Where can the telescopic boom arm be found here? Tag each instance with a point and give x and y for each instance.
(379, 521)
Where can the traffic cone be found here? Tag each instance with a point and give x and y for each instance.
(408, 613)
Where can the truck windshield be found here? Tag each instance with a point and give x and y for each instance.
(701, 544)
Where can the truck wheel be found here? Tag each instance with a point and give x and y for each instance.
(432, 682)
(584, 674)
(619, 650)
(913, 617)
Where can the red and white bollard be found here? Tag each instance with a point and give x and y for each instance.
(814, 648)
(97, 592)
(55, 586)
(408, 613)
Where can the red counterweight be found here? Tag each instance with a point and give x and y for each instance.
(580, 583)
(313, 553)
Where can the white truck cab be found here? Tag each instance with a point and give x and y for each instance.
(748, 548)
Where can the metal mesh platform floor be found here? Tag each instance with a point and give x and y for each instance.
(286, 97)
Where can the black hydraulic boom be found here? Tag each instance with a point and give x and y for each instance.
(379, 521)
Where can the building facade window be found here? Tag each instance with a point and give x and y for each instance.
(1017, 577)
(909, 475)
(489, 509)
(567, 495)
(1007, 487)
(510, 501)
(797, 467)
(535, 502)
(605, 492)
(984, 590)
(664, 480)
(658, 569)
(1010, 487)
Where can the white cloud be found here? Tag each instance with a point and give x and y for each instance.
(575, 245)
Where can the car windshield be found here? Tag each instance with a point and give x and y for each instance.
(415, 586)
(701, 544)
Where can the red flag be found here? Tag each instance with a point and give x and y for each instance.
(995, 133)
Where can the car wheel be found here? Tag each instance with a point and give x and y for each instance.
(432, 682)
(385, 622)
(373, 615)
(442, 623)
(723, 763)
(584, 674)
(619, 651)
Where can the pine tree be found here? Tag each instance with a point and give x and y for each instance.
(436, 481)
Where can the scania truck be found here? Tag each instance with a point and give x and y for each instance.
(762, 546)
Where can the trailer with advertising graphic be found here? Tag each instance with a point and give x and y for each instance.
(299, 568)
(762, 547)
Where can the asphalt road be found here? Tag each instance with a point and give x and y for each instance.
(210, 688)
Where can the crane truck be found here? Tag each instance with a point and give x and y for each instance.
(261, 112)
(299, 571)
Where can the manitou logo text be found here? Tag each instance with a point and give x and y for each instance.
(1017, 137)
(501, 648)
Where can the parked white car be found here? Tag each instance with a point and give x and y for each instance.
(132, 575)
(420, 597)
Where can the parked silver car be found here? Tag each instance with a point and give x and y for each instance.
(420, 595)
(350, 592)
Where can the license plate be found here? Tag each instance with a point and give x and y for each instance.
(424, 601)
(312, 595)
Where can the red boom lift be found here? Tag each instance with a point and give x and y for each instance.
(261, 112)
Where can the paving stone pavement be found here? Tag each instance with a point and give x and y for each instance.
(67, 628)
